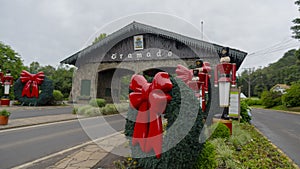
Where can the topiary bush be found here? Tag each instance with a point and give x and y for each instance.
(180, 112)
(58, 97)
(97, 102)
(109, 109)
(219, 130)
(45, 93)
(207, 158)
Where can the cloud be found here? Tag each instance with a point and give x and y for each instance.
(51, 30)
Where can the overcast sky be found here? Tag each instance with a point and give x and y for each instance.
(48, 31)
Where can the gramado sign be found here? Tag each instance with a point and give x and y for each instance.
(149, 54)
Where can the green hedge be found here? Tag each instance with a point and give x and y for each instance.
(183, 106)
(252, 102)
(220, 130)
(97, 102)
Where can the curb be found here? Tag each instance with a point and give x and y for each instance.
(34, 124)
(280, 111)
(277, 148)
(26, 165)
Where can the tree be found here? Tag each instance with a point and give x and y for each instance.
(271, 99)
(9, 59)
(100, 37)
(34, 67)
(62, 80)
(292, 97)
(296, 27)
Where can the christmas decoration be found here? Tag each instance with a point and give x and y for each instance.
(7, 82)
(227, 76)
(150, 100)
(33, 89)
(32, 81)
(180, 144)
(197, 79)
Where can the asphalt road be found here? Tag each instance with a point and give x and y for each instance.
(282, 129)
(24, 113)
(19, 146)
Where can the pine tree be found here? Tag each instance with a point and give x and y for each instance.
(296, 27)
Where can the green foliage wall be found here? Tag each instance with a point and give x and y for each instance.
(180, 113)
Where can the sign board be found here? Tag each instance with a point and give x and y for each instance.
(138, 42)
(234, 108)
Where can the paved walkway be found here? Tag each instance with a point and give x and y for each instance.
(89, 155)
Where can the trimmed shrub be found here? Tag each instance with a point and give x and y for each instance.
(57, 96)
(92, 111)
(97, 102)
(122, 107)
(109, 109)
(83, 109)
(220, 130)
(207, 158)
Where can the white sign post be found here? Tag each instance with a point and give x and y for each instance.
(234, 108)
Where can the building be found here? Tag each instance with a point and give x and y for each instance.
(136, 48)
(280, 88)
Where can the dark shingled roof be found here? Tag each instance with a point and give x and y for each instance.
(135, 28)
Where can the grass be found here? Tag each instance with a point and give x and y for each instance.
(247, 148)
(108, 109)
(281, 107)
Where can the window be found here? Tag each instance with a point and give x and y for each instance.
(85, 88)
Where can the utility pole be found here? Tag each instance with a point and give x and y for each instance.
(249, 81)
(202, 33)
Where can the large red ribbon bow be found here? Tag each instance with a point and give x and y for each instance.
(184, 74)
(150, 99)
(32, 81)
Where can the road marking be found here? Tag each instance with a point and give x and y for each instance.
(62, 152)
(79, 119)
(56, 134)
(37, 125)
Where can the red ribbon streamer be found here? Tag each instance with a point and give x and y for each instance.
(150, 99)
(32, 82)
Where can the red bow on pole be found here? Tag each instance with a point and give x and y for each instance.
(150, 99)
(32, 81)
